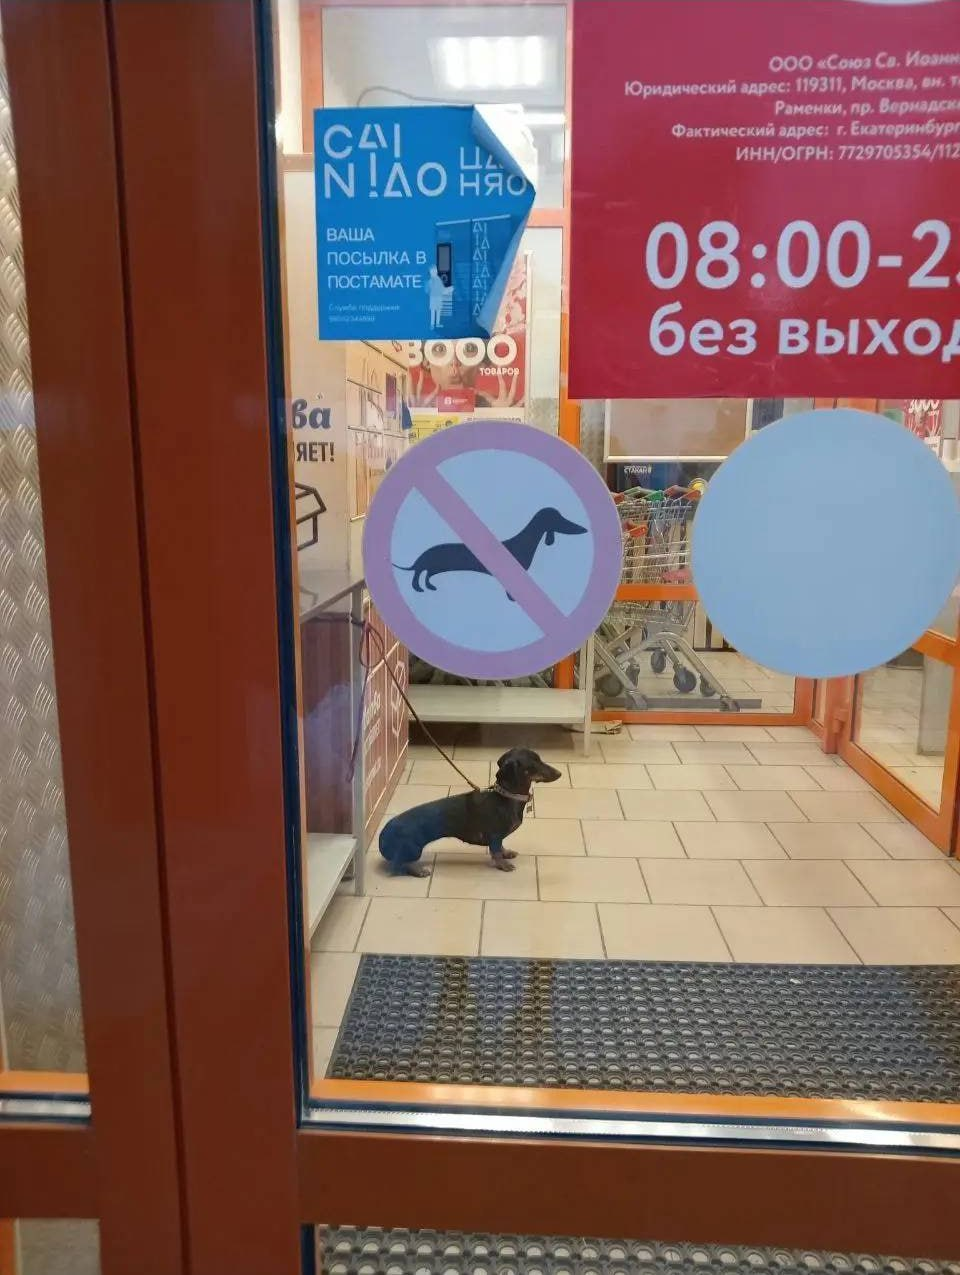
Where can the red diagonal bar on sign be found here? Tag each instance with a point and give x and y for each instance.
(485, 546)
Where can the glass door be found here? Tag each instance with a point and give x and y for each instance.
(902, 734)
(898, 726)
(234, 735)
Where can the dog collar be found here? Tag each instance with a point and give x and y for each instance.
(525, 797)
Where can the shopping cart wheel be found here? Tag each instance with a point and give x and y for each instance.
(658, 661)
(706, 688)
(609, 686)
(684, 680)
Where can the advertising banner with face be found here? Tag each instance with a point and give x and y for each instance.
(476, 373)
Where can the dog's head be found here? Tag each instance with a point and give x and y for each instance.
(551, 519)
(521, 767)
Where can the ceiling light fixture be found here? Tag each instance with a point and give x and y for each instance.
(497, 62)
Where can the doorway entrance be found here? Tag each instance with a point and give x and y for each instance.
(260, 1005)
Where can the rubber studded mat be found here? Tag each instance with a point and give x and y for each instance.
(347, 1250)
(789, 1030)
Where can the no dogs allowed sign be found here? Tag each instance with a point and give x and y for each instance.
(492, 550)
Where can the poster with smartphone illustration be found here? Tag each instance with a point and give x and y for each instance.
(477, 374)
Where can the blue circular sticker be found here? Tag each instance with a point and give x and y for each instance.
(827, 543)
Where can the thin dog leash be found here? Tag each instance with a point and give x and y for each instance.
(366, 632)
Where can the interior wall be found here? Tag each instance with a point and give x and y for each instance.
(289, 104)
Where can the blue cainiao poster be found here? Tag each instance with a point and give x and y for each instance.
(420, 210)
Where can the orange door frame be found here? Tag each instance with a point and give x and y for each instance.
(939, 826)
(841, 719)
(189, 1022)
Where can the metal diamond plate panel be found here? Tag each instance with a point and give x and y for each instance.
(368, 1250)
(39, 991)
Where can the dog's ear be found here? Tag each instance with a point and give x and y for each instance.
(509, 766)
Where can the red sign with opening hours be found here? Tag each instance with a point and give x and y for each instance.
(765, 199)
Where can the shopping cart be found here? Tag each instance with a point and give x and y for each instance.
(637, 636)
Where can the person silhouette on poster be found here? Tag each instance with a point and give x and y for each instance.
(437, 294)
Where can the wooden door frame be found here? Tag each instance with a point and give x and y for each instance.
(939, 826)
(195, 1160)
(122, 1171)
(841, 713)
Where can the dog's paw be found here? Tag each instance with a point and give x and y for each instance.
(504, 865)
(509, 854)
(417, 870)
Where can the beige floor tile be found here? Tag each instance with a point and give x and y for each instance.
(563, 756)
(441, 772)
(661, 933)
(645, 734)
(903, 841)
(474, 877)
(910, 758)
(826, 841)
(548, 836)
(592, 880)
(714, 751)
(729, 841)
(900, 883)
(697, 881)
(754, 807)
(777, 703)
(324, 1039)
(844, 807)
(886, 754)
(340, 924)
(790, 754)
(737, 687)
(549, 930)
(923, 780)
(899, 936)
(407, 796)
(764, 680)
(422, 927)
(663, 805)
(378, 883)
(331, 982)
(810, 883)
(577, 803)
(696, 776)
(954, 915)
(793, 735)
(612, 775)
(733, 734)
(784, 935)
(837, 779)
(870, 736)
(633, 839)
(773, 778)
(633, 752)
